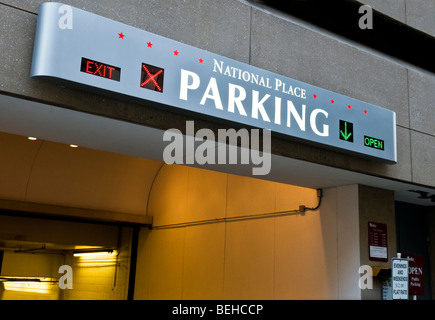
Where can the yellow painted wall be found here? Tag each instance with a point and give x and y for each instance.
(30, 265)
(286, 257)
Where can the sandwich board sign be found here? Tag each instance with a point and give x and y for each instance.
(399, 274)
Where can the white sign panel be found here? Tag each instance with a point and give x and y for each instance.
(399, 274)
(80, 49)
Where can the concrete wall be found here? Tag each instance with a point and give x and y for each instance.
(417, 14)
(271, 40)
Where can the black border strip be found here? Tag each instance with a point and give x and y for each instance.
(388, 35)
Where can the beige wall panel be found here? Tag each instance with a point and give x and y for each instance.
(300, 258)
(249, 196)
(168, 197)
(289, 197)
(203, 271)
(159, 270)
(206, 195)
(249, 259)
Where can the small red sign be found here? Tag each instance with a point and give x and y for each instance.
(378, 242)
(415, 274)
(152, 77)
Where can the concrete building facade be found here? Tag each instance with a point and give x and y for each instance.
(212, 232)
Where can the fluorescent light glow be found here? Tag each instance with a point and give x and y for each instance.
(96, 254)
(32, 138)
(42, 286)
(96, 259)
(89, 248)
(73, 146)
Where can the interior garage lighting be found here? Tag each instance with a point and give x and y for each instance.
(32, 138)
(38, 285)
(73, 146)
(97, 253)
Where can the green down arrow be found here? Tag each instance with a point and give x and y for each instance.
(345, 134)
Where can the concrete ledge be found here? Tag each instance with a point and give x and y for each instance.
(71, 212)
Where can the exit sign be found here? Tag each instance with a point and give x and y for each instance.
(100, 69)
(78, 48)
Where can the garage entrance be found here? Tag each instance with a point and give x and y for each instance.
(42, 259)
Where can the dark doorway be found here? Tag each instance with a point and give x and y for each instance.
(412, 226)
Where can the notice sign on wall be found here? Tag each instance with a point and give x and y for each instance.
(399, 274)
(416, 274)
(378, 242)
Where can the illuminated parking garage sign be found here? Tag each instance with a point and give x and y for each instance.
(77, 48)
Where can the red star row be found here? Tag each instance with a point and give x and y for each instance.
(150, 45)
(332, 102)
(200, 60)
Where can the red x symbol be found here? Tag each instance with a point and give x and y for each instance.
(151, 78)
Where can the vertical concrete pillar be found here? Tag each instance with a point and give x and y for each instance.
(348, 242)
(340, 207)
(376, 205)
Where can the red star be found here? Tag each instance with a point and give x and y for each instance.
(149, 44)
(176, 53)
(315, 96)
(332, 101)
(349, 106)
(200, 60)
(121, 36)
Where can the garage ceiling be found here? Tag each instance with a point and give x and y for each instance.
(51, 123)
